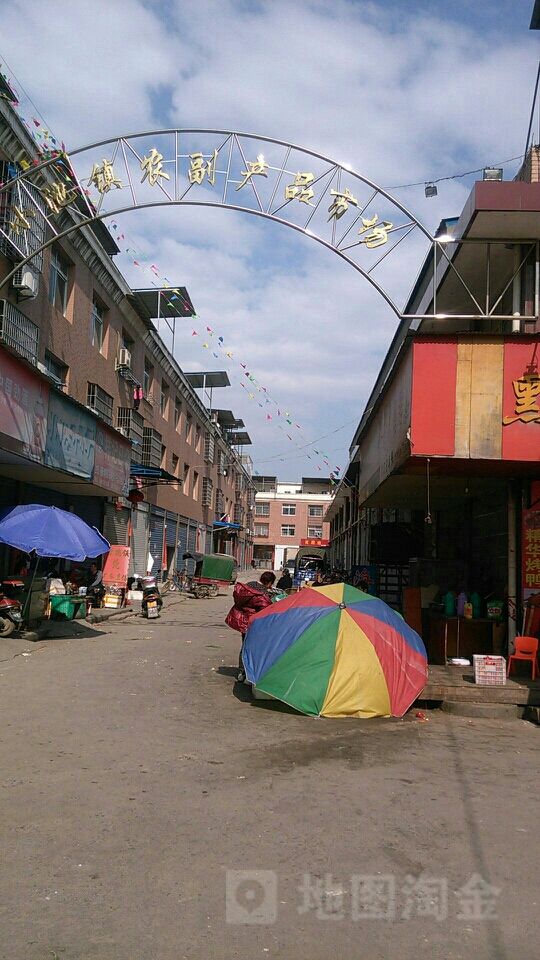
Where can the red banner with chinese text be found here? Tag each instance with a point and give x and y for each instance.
(521, 400)
(115, 571)
(530, 552)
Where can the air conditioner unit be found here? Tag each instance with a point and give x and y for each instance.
(123, 430)
(124, 359)
(25, 283)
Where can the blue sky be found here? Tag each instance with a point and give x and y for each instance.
(403, 91)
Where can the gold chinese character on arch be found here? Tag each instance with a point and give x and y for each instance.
(57, 196)
(103, 177)
(152, 167)
(20, 222)
(255, 168)
(340, 203)
(300, 188)
(527, 391)
(376, 233)
(199, 169)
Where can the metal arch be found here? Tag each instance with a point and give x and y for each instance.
(335, 169)
(200, 203)
(225, 133)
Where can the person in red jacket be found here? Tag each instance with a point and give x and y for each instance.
(249, 598)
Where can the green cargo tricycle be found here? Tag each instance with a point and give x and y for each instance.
(212, 571)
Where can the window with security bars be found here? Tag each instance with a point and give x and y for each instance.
(262, 509)
(240, 483)
(100, 402)
(315, 510)
(221, 462)
(315, 532)
(151, 448)
(261, 530)
(22, 217)
(131, 424)
(220, 502)
(209, 448)
(207, 492)
(18, 332)
(238, 515)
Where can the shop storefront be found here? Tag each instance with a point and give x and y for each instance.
(445, 475)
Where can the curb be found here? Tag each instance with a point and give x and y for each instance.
(483, 711)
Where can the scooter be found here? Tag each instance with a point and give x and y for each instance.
(151, 601)
(10, 615)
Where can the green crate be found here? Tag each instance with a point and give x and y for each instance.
(67, 608)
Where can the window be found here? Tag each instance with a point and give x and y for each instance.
(186, 478)
(315, 532)
(195, 486)
(163, 463)
(58, 282)
(207, 492)
(148, 379)
(315, 511)
(287, 531)
(198, 439)
(100, 402)
(164, 400)
(189, 427)
(209, 448)
(151, 447)
(288, 509)
(98, 325)
(177, 414)
(262, 509)
(127, 341)
(261, 529)
(55, 367)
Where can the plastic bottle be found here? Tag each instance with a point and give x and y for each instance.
(468, 610)
(461, 601)
(449, 601)
(476, 601)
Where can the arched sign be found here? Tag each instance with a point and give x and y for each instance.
(318, 197)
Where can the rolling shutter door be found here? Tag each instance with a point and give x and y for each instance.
(139, 540)
(116, 525)
(155, 546)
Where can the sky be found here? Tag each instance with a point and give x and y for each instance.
(401, 90)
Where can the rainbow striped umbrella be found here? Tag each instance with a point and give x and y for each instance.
(336, 652)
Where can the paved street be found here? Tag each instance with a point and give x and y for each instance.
(135, 775)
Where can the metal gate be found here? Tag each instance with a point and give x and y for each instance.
(155, 545)
(139, 539)
(116, 525)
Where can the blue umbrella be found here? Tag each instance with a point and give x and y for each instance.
(50, 532)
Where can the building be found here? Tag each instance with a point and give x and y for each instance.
(96, 415)
(287, 517)
(441, 491)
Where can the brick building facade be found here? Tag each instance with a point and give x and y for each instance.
(92, 403)
(286, 515)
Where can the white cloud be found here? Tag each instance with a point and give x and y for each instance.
(399, 106)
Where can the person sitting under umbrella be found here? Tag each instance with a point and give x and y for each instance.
(96, 589)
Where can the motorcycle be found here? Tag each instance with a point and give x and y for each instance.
(11, 618)
(151, 601)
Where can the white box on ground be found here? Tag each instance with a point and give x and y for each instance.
(489, 671)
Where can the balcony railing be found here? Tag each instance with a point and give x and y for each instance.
(18, 332)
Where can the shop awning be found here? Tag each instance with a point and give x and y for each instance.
(154, 474)
(225, 525)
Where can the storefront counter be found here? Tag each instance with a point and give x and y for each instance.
(457, 637)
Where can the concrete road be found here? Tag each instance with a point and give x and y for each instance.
(137, 781)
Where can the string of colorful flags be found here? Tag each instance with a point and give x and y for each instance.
(214, 342)
(48, 146)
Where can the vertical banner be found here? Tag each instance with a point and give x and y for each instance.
(530, 552)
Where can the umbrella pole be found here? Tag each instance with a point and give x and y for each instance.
(27, 601)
